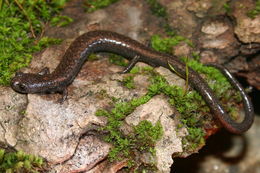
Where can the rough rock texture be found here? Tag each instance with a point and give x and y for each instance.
(246, 29)
(89, 152)
(59, 132)
(12, 106)
(171, 142)
(177, 14)
(217, 36)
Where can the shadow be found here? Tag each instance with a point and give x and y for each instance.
(255, 97)
(217, 146)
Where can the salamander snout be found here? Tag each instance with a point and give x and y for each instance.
(28, 83)
(22, 82)
(19, 86)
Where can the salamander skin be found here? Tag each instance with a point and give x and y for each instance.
(106, 41)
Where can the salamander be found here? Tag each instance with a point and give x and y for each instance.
(107, 41)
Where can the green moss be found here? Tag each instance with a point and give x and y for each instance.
(161, 12)
(45, 42)
(147, 69)
(61, 21)
(92, 57)
(118, 60)
(146, 135)
(20, 162)
(128, 81)
(93, 5)
(157, 9)
(20, 23)
(22, 112)
(254, 12)
(166, 44)
(190, 105)
(135, 70)
(229, 97)
(217, 81)
(227, 7)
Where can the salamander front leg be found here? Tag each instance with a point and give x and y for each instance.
(44, 71)
(131, 64)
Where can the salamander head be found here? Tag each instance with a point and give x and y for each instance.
(27, 83)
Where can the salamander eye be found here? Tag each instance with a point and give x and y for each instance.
(19, 86)
(22, 87)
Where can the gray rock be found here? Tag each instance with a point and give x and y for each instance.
(12, 107)
(158, 109)
(90, 151)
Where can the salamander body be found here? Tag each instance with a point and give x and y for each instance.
(106, 41)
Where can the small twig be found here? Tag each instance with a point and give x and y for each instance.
(41, 34)
(173, 69)
(187, 77)
(180, 75)
(29, 20)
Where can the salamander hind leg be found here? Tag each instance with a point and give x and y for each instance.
(130, 65)
(64, 93)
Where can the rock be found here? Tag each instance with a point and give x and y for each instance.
(252, 73)
(182, 49)
(205, 8)
(217, 35)
(208, 57)
(171, 141)
(170, 77)
(180, 18)
(200, 8)
(215, 28)
(89, 152)
(54, 131)
(12, 107)
(246, 28)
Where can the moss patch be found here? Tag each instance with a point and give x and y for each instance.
(61, 21)
(189, 104)
(93, 5)
(227, 7)
(254, 12)
(128, 81)
(20, 162)
(229, 97)
(166, 44)
(157, 9)
(20, 23)
(118, 60)
(145, 135)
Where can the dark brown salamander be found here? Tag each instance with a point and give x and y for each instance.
(106, 41)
